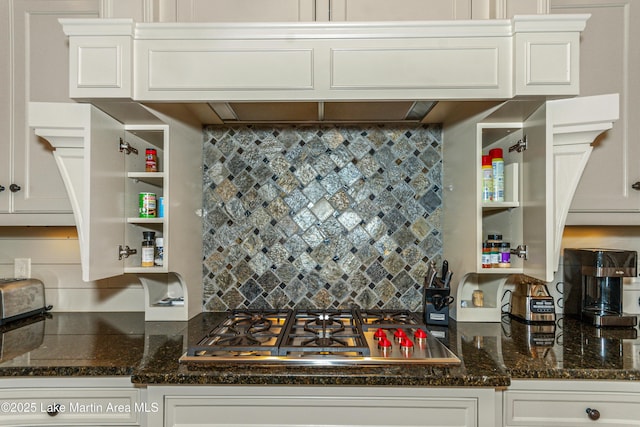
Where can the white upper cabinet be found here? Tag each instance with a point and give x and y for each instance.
(399, 10)
(341, 10)
(34, 68)
(102, 160)
(609, 191)
(242, 10)
(545, 146)
(351, 61)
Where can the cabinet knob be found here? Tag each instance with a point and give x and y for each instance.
(53, 410)
(593, 414)
(1, 188)
(636, 185)
(14, 188)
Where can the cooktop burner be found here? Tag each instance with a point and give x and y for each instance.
(321, 337)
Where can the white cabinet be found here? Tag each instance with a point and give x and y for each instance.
(492, 59)
(66, 401)
(322, 406)
(571, 403)
(540, 182)
(103, 163)
(399, 10)
(243, 10)
(606, 194)
(343, 10)
(34, 68)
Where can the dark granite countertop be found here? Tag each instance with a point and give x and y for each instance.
(492, 354)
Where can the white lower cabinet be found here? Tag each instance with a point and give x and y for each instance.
(571, 403)
(321, 406)
(70, 402)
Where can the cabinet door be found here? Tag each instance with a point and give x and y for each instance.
(244, 10)
(605, 194)
(103, 198)
(5, 108)
(40, 73)
(537, 197)
(399, 10)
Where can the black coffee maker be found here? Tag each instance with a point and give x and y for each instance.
(593, 281)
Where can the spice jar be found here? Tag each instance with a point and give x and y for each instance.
(495, 254)
(151, 160)
(505, 255)
(494, 238)
(159, 260)
(148, 248)
(486, 255)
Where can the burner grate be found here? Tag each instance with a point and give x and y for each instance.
(388, 319)
(245, 332)
(323, 332)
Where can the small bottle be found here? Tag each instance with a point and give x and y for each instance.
(159, 251)
(486, 255)
(151, 160)
(505, 255)
(497, 164)
(487, 179)
(148, 248)
(494, 238)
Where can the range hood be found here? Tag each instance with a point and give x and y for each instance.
(324, 71)
(324, 111)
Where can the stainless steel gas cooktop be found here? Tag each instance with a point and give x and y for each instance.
(321, 337)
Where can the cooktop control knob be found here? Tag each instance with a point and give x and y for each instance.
(384, 343)
(420, 334)
(399, 334)
(406, 346)
(379, 334)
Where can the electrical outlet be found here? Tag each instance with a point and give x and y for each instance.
(22, 267)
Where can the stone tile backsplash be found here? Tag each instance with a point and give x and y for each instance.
(320, 216)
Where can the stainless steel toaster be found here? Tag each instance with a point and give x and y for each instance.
(20, 298)
(531, 302)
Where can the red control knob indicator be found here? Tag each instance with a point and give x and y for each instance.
(420, 334)
(399, 334)
(384, 343)
(379, 334)
(406, 343)
(384, 346)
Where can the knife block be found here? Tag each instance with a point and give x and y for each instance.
(433, 313)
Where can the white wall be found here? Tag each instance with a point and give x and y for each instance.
(55, 259)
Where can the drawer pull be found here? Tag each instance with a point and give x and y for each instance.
(593, 414)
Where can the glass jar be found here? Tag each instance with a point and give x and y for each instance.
(486, 255)
(505, 255)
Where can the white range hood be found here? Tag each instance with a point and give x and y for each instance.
(323, 72)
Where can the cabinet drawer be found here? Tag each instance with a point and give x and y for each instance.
(523, 408)
(318, 411)
(74, 406)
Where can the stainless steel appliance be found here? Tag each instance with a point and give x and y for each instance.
(593, 285)
(18, 338)
(321, 337)
(531, 302)
(20, 298)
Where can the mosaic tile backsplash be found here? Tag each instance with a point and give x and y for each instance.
(320, 216)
